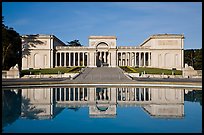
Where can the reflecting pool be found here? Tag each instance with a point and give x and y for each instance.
(101, 110)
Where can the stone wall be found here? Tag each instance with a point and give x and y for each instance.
(67, 75)
(189, 72)
(13, 72)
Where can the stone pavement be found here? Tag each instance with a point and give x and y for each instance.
(103, 74)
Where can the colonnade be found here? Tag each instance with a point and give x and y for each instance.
(102, 57)
(70, 94)
(63, 59)
(134, 59)
(133, 94)
(101, 94)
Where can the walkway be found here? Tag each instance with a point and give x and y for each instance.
(102, 74)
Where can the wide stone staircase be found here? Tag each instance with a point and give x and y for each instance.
(102, 74)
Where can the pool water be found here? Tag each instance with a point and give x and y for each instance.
(101, 110)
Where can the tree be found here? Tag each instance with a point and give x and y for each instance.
(198, 59)
(193, 57)
(29, 42)
(11, 47)
(74, 43)
(189, 57)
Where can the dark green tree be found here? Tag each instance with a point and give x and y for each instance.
(11, 47)
(189, 57)
(198, 59)
(193, 57)
(74, 43)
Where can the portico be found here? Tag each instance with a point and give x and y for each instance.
(158, 51)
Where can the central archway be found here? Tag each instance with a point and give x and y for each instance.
(102, 54)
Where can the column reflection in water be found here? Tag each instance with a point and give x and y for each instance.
(39, 103)
(44, 103)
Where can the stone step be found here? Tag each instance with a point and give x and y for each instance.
(102, 74)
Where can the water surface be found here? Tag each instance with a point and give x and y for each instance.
(102, 110)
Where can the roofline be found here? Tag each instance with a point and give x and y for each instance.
(157, 36)
(45, 36)
(102, 37)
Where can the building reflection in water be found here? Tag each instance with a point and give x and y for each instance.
(43, 103)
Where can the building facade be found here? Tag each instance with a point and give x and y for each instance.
(158, 51)
(103, 102)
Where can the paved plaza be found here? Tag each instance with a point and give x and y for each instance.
(103, 74)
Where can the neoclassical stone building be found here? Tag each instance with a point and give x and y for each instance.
(159, 51)
(103, 102)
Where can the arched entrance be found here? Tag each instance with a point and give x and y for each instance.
(102, 55)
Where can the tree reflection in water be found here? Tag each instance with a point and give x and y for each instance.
(48, 102)
(11, 106)
(28, 109)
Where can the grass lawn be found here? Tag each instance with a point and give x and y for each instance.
(56, 70)
(150, 70)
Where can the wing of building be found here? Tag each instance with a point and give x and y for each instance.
(158, 51)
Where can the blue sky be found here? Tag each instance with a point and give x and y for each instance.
(130, 22)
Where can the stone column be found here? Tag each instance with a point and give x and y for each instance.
(56, 59)
(51, 59)
(127, 94)
(108, 93)
(92, 94)
(83, 94)
(122, 59)
(55, 89)
(69, 89)
(78, 94)
(101, 56)
(149, 94)
(105, 57)
(135, 93)
(113, 58)
(125, 63)
(74, 94)
(60, 94)
(119, 59)
(113, 96)
(94, 59)
(108, 61)
(135, 58)
(91, 59)
(120, 90)
(139, 59)
(65, 58)
(109, 58)
(86, 55)
(78, 58)
(149, 59)
(126, 59)
(144, 94)
(60, 64)
(144, 59)
(83, 58)
(140, 94)
(65, 94)
(130, 58)
(134, 61)
(73, 58)
(69, 59)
